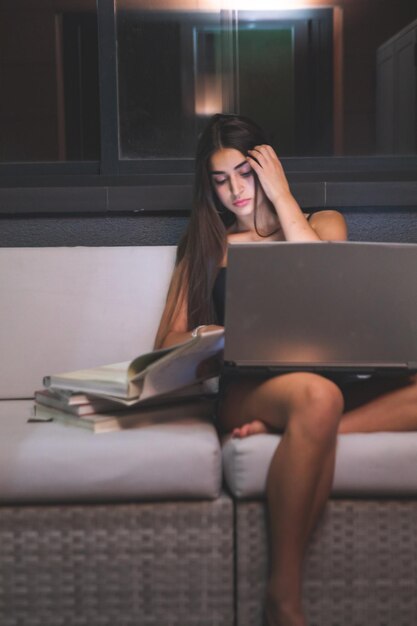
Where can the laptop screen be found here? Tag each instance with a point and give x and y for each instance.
(322, 306)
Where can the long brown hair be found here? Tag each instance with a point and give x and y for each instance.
(202, 248)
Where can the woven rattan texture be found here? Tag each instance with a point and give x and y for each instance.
(144, 564)
(361, 568)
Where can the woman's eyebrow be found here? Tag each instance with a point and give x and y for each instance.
(235, 168)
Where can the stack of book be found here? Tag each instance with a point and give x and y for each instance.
(156, 386)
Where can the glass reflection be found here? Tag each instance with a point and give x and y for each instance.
(324, 80)
(169, 78)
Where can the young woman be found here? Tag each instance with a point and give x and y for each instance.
(242, 194)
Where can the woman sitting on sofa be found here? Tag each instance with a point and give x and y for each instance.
(242, 195)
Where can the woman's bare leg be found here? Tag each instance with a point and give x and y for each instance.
(382, 406)
(298, 485)
(309, 408)
(297, 491)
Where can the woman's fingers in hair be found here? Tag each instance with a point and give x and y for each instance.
(261, 154)
(265, 163)
(253, 161)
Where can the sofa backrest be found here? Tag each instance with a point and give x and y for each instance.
(63, 309)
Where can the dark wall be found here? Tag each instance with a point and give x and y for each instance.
(387, 224)
(129, 230)
(368, 224)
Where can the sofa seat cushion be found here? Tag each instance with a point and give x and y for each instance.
(50, 462)
(376, 464)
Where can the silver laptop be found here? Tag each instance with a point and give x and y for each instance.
(324, 307)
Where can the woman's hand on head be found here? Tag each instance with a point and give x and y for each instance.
(268, 168)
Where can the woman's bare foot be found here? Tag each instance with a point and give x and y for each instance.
(257, 427)
(282, 615)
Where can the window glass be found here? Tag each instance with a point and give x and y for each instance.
(169, 74)
(332, 77)
(328, 78)
(49, 108)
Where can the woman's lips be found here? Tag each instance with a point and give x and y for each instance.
(240, 203)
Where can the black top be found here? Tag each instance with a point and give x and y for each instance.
(219, 292)
(219, 295)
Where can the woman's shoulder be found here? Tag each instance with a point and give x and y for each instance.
(329, 224)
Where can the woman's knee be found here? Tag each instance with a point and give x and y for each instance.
(318, 408)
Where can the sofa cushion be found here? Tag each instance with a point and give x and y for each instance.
(376, 464)
(50, 462)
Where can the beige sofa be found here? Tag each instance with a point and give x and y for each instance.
(122, 528)
(137, 527)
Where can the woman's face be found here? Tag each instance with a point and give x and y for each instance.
(233, 181)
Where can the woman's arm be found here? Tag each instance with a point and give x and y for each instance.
(325, 225)
(173, 328)
(174, 337)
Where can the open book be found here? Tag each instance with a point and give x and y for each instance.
(153, 374)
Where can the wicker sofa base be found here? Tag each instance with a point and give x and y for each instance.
(119, 564)
(361, 568)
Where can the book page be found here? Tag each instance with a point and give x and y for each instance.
(192, 362)
(111, 379)
(140, 363)
(206, 343)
